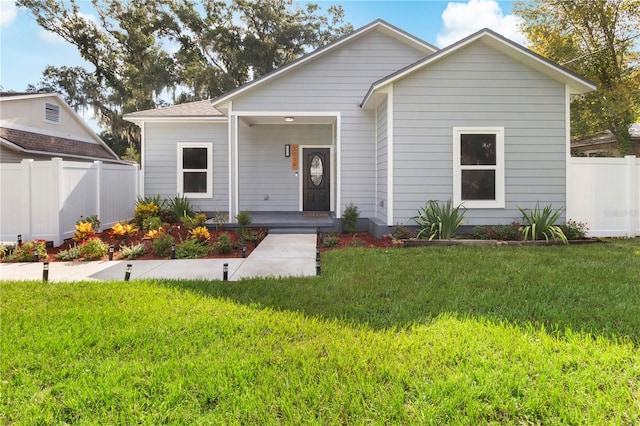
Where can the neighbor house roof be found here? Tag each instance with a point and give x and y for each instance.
(188, 111)
(576, 83)
(36, 143)
(377, 25)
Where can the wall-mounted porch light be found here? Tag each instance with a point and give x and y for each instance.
(287, 150)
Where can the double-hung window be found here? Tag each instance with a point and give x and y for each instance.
(195, 169)
(478, 167)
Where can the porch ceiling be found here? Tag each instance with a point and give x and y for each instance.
(252, 120)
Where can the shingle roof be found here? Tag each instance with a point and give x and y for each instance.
(189, 109)
(36, 142)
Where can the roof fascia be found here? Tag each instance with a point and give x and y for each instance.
(379, 23)
(175, 119)
(502, 44)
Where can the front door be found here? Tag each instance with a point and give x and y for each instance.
(316, 187)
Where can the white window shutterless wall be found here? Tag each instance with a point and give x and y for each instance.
(478, 167)
(195, 169)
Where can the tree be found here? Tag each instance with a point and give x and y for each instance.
(145, 53)
(598, 39)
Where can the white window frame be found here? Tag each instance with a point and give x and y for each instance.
(209, 170)
(499, 201)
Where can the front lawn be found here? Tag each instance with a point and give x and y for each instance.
(434, 335)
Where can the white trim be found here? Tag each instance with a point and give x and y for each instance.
(375, 186)
(499, 168)
(209, 170)
(495, 41)
(143, 157)
(384, 26)
(236, 147)
(230, 127)
(338, 168)
(174, 119)
(390, 169)
(286, 113)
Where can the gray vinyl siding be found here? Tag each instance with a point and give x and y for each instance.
(337, 82)
(381, 137)
(160, 166)
(479, 86)
(264, 170)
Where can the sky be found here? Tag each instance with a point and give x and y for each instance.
(26, 49)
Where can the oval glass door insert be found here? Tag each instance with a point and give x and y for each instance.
(316, 170)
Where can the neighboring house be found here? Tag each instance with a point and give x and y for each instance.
(41, 126)
(380, 119)
(605, 144)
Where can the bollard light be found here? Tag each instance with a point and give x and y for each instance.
(173, 251)
(111, 250)
(19, 239)
(225, 272)
(244, 251)
(318, 237)
(317, 254)
(36, 257)
(45, 272)
(127, 273)
(318, 267)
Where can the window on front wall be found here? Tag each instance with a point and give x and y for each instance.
(478, 167)
(195, 170)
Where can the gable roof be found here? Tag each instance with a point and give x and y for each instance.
(37, 143)
(197, 110)
(377, 25)
(30, 141)
(576, 83)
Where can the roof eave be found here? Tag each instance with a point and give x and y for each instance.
(173, 119)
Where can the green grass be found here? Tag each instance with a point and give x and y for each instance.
(436, 335)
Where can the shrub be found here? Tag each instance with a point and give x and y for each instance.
(350, 217)
(179, 207)
(93, 220)
(330, 240)
(122, 230)
(94, 249)
(84, 231)
(151, 234)
(219, 219)
(224, 244)
(243, 219)
(509, 232)
(132, 251)
(439, 221)
(24, 253)
(253, 236)
(574, 230)
(201, 233)
(161, 244)
(152, 223)
(399, 232)
(4, 250)
(145, 209)
(539, 224)
(192, 249)
(72, 253)
(194, 221)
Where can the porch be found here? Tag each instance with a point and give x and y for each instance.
(293, 222)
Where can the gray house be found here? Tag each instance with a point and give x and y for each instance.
(380, 119)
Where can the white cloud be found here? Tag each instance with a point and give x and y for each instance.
(462, 19)
(8, 12)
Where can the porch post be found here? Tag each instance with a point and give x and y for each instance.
(233, 167)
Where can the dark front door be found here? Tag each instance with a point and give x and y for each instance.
(316, 189)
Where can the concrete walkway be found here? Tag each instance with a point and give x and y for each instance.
(278, 255)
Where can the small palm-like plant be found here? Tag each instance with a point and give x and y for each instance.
(200, 233)
(540, 224)
(439, 221)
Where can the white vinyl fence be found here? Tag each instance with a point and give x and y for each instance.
(605, 193)
(45, 199)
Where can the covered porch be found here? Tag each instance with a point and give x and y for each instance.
(284, 167)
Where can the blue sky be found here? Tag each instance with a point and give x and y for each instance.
(26, 49)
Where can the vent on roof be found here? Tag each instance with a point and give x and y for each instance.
(51, 113)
